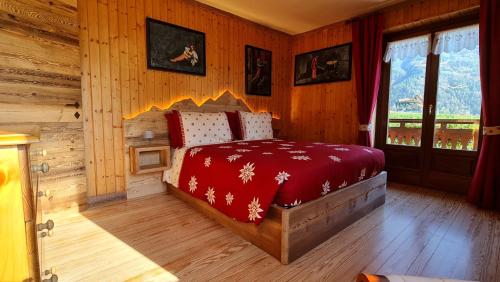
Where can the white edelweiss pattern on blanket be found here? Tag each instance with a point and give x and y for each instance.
(234, 157)
(243, 150)
(368, 151)
(362, 174)
(225, 147)
(194, 151)
(192, 184)
(244, 185)
(210, 195)
(301, 158)
(207, 162)
(229, 198)
(282, 177)
(335, 159)
(325, 187)
(295, 203)
(254, 209)
(246, 173)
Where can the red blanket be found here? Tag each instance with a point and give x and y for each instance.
(242, 179)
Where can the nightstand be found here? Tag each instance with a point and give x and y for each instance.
(149, 158)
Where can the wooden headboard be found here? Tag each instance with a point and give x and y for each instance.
(154, 120)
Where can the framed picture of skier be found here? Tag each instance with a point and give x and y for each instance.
(258, 68)
(325, 65)
(175, 48)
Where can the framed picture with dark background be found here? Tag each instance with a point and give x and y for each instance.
(258, 66)
(325, 65)
(175, 48)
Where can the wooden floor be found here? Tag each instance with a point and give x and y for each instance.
(417, 232)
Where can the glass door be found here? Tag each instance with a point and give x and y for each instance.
(406, 101)
(458, 101)
(454, 109)
(429, 108)
(402, 105)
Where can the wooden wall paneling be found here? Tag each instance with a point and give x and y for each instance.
(66, 178)
(193, 80)
(217, 38)
(116, 110)
(323, 112)
(155, 86)
(97, 116)
(198, 24)
(210, 51)
(230, 64)
(150, 77)
(20, 92)
(124, 54)
(141, 53)
(86, 92)
(411, 13)
(182, 80)
(106, 96)
(122, 86)
(133, 59)
(188, 20)
(40, 83)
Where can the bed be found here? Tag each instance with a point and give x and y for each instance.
(289, 200)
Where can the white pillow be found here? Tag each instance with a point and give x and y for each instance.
(256, 126)
(204, 128)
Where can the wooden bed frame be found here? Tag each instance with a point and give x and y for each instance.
(286, 234)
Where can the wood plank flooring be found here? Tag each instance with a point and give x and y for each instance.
(417, 232)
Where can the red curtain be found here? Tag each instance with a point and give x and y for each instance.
(485, 186)
(367, 55)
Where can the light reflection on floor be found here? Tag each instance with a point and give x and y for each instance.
(98, 262)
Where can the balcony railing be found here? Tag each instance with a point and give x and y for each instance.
(455, 134)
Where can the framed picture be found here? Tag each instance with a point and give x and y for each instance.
(175, 48)
(258, 67)
(325, 65)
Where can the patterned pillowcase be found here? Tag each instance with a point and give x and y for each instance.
(256, 126)
(204, 128)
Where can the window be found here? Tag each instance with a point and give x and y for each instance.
(447, 80)
(458, 100)
(406, 90)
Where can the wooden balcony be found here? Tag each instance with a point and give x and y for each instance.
(455, 134)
